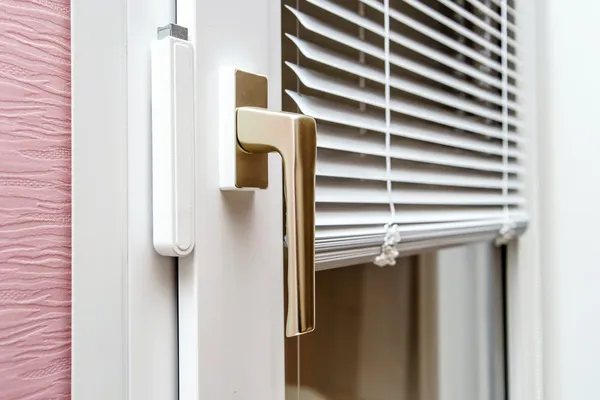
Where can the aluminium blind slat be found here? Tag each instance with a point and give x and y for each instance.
(329, 135)
(420, 114)
(460, 29)
(322, 29)
(325, 83)
(362, 168)
(332, 86)
(342, 114)
(509, 8)
(328, 57)
(443, 39)
(490, 13)
(358, 215)
(449, 62)
(473, 19)
(412, 152)
(420, 89)
(333, 8)
(344, 192)
(410, 43)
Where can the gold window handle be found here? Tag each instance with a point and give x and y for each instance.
(259, 131)
(293, 136)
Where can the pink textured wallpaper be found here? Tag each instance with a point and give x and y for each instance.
(35, 200)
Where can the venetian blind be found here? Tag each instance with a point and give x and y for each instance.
(418, 121)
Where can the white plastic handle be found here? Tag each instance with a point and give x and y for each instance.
(173, 131)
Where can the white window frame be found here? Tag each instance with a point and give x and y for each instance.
(524, 267)
(124, 298)
(113, 264)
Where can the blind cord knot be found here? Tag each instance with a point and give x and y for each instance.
(507, 233)
(389, 252)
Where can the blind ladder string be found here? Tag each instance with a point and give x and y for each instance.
(389, 252)
(507, 231)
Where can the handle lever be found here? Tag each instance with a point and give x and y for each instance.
(248, 131)
(294, 137)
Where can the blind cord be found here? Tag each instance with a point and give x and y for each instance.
(389, 252)
(388, 114)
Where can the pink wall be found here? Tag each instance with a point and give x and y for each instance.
(35, 200)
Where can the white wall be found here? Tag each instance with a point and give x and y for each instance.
(569, 151)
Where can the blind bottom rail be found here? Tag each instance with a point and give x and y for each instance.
(342, 252)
